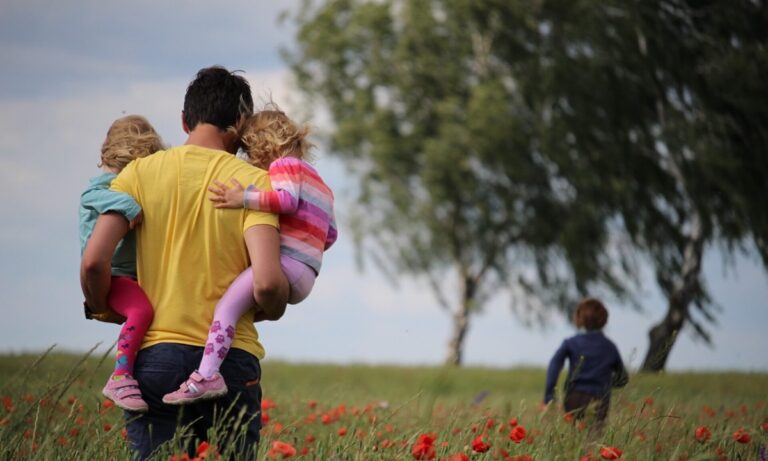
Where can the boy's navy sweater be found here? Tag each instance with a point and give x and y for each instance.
(594, 364)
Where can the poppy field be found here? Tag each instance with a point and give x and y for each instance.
(52, 409)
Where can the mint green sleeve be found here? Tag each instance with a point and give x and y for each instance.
(104, 200)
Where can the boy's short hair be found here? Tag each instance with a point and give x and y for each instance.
(129, 138)
(590, 314)
(270, 134)
(218, 97)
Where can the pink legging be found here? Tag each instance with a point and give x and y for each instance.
(237, 300)
(128, 299)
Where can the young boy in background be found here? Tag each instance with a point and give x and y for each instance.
(594, 365)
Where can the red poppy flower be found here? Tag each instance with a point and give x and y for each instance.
(702, 434)
(741, 436)
(266, 404)
(204, 449)
(479, 445)
(764, 426)
(342, 431)
(424, 448)
(284, 449)
(264, 418)
(423, 451)
(518, 434)
(610, 453)
(428, 439)
(8, 403)
(513, 422)
(588, 457)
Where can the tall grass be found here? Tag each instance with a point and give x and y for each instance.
(53, 409)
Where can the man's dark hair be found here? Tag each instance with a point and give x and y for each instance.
(217, 96)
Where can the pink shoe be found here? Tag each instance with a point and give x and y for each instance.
(197, 388)
(125, 393)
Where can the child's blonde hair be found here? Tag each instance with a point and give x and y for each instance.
(128, 138)
(269, 135)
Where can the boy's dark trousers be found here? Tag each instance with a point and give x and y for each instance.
(577, 403)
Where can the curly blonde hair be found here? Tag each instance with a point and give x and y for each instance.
(128, 138)
(269, 135)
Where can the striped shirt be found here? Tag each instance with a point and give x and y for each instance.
(305, 205)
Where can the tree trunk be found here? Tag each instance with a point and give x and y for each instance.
(460, 324)
(663, 335)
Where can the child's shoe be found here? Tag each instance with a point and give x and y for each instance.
(125, 393)
(197, 388)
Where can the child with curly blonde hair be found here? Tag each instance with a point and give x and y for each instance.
(128, 138)
(304, 204)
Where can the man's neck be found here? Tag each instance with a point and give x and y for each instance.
(208, 136)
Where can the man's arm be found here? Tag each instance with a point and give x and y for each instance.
(270, 287)
(96, 265)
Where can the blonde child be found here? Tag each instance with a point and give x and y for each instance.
(128, 138)
(594, 364)
(307, 228)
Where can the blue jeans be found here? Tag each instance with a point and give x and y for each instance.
(162, 368)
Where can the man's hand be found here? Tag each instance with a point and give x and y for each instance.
(224, 197)
(109, 316)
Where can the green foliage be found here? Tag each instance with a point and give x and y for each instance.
(52, 409)
(543, 146)
(436, 109)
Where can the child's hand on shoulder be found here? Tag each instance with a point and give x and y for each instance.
(227, 196)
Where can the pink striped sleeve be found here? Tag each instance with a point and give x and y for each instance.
(286, 177)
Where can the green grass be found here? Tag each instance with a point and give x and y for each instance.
(52, 409)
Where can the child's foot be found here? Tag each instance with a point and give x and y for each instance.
(125, 393)
(197, 388)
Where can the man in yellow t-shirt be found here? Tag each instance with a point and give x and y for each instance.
(188, 252)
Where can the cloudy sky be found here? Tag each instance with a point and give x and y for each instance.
(71, 68)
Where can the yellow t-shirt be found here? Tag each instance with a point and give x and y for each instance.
(188, 252)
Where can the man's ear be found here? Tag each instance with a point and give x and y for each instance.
(184, 123)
